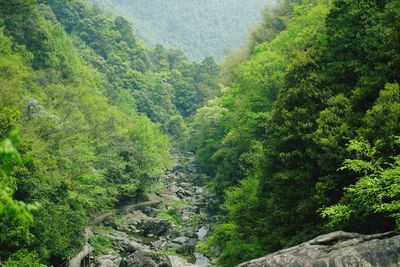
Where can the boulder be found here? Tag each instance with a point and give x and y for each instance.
(179, 167)
(180, 240)
(107, 261)
(181, 175)
(135, 217)
(185, 193)
(173, 246)
(190, 154)
(187, 215)
(172, 188)
(125, 244)
(149, 211)
(189, 232)
(198, 190)
(188, 247)
(180, 195)
(142, 259)
(337, 249)
(159, 245)
(173, 233)
(186, 185)
(192, 167)
(110, 222)
(154, 226)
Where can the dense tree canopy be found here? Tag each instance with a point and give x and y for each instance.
(200, 28)
(306, 137)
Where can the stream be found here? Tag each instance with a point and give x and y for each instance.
(162, 231)
(201, 260)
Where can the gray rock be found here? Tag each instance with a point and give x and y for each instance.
(159, 245)
(187, 215)
(127, 245)
(190, 209)
(108, 261)
(149, 211)
(173, 246)
(164, 177)
(337, 249)
(181, 175)
(155, 226)
(110, 222)
(189, 232)
(198, 190)
(192, 167)
(180, 195)
(187, 248)
(142, 259)
(172, 188)
(180, 240)
(186, 185)
(190, 154)
(178, 167)
(185, 193)
(173, 233)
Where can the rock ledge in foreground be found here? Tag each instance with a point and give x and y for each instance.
(337, 249)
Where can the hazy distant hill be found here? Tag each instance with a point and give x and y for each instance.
(199, 27)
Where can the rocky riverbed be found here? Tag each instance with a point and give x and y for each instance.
(164, 231)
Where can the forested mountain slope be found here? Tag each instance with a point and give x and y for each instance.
(200, 28)
(306, 137)
(86, 118)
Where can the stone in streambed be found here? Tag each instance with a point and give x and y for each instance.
(110, 222)
(180, 240)
(192, 167)
(198, 190)
(107, 261)
(188, 247)
(154, 226)
(142, 259)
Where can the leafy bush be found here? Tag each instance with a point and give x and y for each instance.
(101, 244)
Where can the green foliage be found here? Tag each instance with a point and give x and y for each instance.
(166, 86)
(11, 209)
(200, 28)
(92, 107)
(376, 190)
(101, 244)
(171, 215)
(24, 258)
(307, 131)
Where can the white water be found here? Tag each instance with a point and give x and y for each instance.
(201, 260)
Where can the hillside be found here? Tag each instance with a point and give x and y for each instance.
(87, 115)
(200, 28)
(305, 139)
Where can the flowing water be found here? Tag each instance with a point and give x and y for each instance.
(202, 233)
(201, 260)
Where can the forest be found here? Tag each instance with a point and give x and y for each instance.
(87, 115)
(298, 133)
(199, 28)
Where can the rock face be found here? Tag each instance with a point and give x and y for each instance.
(337, 249)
